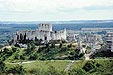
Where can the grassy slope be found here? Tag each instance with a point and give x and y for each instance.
(105, 68)
(44, 65)
(60, 65)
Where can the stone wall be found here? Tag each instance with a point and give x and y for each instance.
(44, 32)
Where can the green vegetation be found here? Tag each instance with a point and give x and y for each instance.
(57, 67)
(2, 67)
(62, 51)
(104, 54)
(18, 69)
(52, 59)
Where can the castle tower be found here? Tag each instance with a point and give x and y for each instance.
(45, 27)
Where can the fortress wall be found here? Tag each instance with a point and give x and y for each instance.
(44, 32)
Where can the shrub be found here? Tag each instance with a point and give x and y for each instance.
(52, 45)
(60, 46)
(52, 71)
(18, 69)
(70, 45)
(89, 66)
(2, 67)
(77, 72)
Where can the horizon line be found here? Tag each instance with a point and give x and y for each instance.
(53, 20)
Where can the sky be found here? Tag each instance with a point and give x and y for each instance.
(55, 10)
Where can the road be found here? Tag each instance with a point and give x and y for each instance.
(70, 64)
(87, 56)
(21, 62)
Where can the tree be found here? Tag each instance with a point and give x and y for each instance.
(36, 39)
(33, 56)
(89, 66)
(17, 70)
(32, 46)
(76, 54)
(22, 57)
(53, 45)
(40, 41)
(7, 52)
(60, 46)
(14, 49)
(77, 72)
(52, 71)
(69, 46)
(2, 67)
(11, 41)
(17, 56)
(48, 49)
(47, 45)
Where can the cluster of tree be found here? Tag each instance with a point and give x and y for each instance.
(49, 51)
(18, 69)
(5, 53)
(45, 52)
(57, 41)
(106, 53)
(2, 67)
(28, 53)
(93, 67)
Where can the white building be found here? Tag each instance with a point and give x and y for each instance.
(43, 32)
(109, 41)
(89, 40)
(71, 37)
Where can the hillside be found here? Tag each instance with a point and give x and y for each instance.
(65, 51)
(55, 59)
(57, 67)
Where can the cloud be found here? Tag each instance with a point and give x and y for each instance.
(7, 6)
(48, 9)
(52, 5)
(78, 5)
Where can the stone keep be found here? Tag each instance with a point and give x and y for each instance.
(43, 32)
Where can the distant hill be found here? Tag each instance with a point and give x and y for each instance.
(55, 22)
